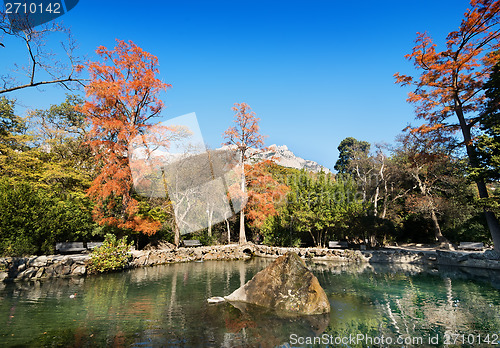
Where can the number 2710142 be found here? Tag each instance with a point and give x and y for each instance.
(18, 7)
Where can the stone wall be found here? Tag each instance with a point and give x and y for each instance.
(59, 266)
(401, 256)
(488, 260)
(141, 258)
(314, 254)
(41, 267)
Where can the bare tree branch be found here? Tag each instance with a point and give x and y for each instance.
(45, 66)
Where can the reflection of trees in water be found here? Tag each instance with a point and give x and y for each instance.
(249, 324)
(166, 305)
(409, 303)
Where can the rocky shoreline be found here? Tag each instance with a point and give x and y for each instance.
(60, 266)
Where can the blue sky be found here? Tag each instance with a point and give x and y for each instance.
(315, 72)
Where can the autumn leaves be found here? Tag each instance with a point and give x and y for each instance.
(448, 91)
(122, 99)
(122, 102)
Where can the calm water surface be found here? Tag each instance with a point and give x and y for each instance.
(166, 306)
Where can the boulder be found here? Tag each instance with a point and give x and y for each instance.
(26, 274)
(67, 261)
(79, 270)
(39, 273)
(40, 261)
(66, 270)
(286, 285)
(21, 267)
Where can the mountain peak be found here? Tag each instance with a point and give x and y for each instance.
(286, 158)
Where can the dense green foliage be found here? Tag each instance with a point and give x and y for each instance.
(42, 194)
(417, 191)
(32, 221)
(488, 144)
(110, 256)
(318, 208)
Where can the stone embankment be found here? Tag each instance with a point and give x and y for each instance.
(141, 258)
(488, 259)
(39, 267)
(57, 266)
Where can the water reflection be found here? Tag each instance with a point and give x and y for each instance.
(249, 323)
(166, 306)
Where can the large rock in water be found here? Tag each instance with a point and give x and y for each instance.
(285, 285)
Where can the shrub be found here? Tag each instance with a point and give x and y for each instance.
(32, 220)
(110, 256)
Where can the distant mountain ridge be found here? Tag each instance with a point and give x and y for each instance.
(280, 154)
(286, 158)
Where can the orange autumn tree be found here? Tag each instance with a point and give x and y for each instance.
(448, 90)
(244, 136)
(122, 100)
(264, 192)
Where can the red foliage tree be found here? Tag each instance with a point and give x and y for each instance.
(122, 100)
(264, 192)
(243, 136)
(450, 81)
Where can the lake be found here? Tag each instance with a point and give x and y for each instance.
(165, 306)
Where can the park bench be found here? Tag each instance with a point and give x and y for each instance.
(337, 245)
(471, 246)
(72, 247)
(191, 243)
(93, 245)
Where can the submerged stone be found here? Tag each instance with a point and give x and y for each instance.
(216, 299)
(285, 285)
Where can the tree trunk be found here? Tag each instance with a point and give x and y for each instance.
(228, 232)
(176, 235)
(375, 202)
(314, 239)
(437, 230)
(386, 199)
(377, 190)
(491, 219)
(243, 238)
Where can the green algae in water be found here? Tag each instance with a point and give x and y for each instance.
(166, 306)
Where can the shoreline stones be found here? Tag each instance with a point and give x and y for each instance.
(42, 267)
(57, 266)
